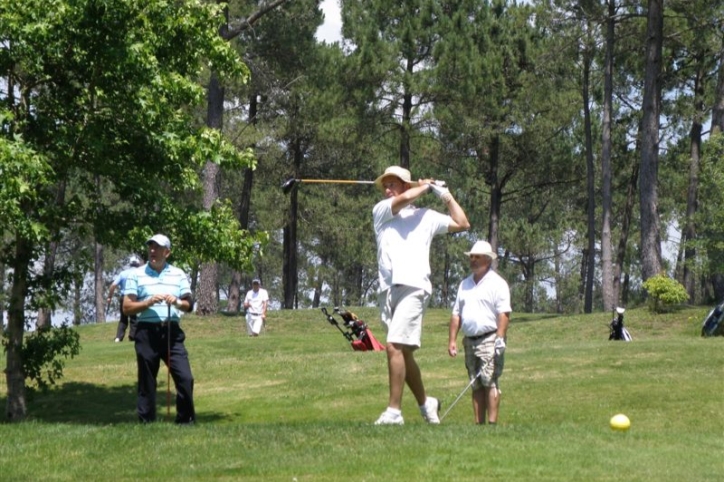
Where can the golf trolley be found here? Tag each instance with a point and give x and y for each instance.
(356, 330)
(618, 331)
(713, 325)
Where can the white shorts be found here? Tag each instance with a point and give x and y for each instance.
(253, 324)
(401, 311)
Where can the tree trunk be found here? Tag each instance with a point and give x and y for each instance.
(77, 302)
(590, 185)
(16, 405)
(648, 192)
(405, 126)
(717, 127)
(529, 283)
(496, 193)
(51, 251)
(2, 294)
(234, 300)
(607, 291)
(99, 285)
(207, 297)
(692, 195)
(289, 275)
(717, 115)
(558, 279)
(625, 229)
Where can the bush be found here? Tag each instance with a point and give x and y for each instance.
(664, 293)
(44, 352)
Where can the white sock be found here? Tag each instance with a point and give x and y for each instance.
(394, 411)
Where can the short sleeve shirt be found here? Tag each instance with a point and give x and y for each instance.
(478, 305)
(256, 300)
(403, 244)
(121, 278)
(145, 282)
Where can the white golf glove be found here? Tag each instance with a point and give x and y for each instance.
(499, 346)
(438, 187)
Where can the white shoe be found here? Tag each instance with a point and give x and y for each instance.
(431, 410)
(388, 418)
(117, 340)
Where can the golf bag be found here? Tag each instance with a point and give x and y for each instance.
(713, 325)
(356, 331)
(618, 331)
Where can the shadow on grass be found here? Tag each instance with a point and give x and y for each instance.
(89, 404)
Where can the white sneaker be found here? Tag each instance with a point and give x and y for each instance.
(388, 418)
(431, 410)
(117, 340)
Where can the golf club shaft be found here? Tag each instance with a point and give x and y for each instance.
(460, 396)
(332, 181)
(168, 364)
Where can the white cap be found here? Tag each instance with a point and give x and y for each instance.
(161, 240)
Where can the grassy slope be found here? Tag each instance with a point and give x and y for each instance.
(297, 403)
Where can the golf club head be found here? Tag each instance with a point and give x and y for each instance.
(288, 185)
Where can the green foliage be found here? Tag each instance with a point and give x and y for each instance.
(44, 352)
(664, 293)
(22, 172)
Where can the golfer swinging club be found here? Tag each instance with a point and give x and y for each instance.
(482, 309)
(158, 293)
(404, 234)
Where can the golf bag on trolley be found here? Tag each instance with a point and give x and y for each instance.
(713, 325)
(356, 331)
(618, 331)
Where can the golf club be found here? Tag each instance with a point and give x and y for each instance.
(472, 380)
(168, 364)
(289, 184)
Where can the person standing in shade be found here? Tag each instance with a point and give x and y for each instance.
(482, 310)
(158, 293)
(120, 283)
(404, 234)
(255, 304)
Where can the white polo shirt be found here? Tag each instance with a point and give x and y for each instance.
(478, 305)
(256, 301)
(403, 244)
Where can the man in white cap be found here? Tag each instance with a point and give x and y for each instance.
(158, 293)
(482, 309)
(404, 234)
(119, 282)
(255, 304)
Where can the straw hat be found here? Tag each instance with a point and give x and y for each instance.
(482, 248)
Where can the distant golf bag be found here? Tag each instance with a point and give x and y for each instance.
(618, 331)
(713, 325)
(356, 332)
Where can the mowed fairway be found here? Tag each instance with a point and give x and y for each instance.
(297, 404)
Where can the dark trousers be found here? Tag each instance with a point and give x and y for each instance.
(123, 326)
(152, 346)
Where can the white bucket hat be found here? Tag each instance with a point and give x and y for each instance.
(399, 172)
(482, 248)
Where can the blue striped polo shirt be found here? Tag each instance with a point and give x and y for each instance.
(145, 282)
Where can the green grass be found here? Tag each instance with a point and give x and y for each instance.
(298, 404)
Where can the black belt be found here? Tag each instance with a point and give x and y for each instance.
(155, 325)
(484, 335)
